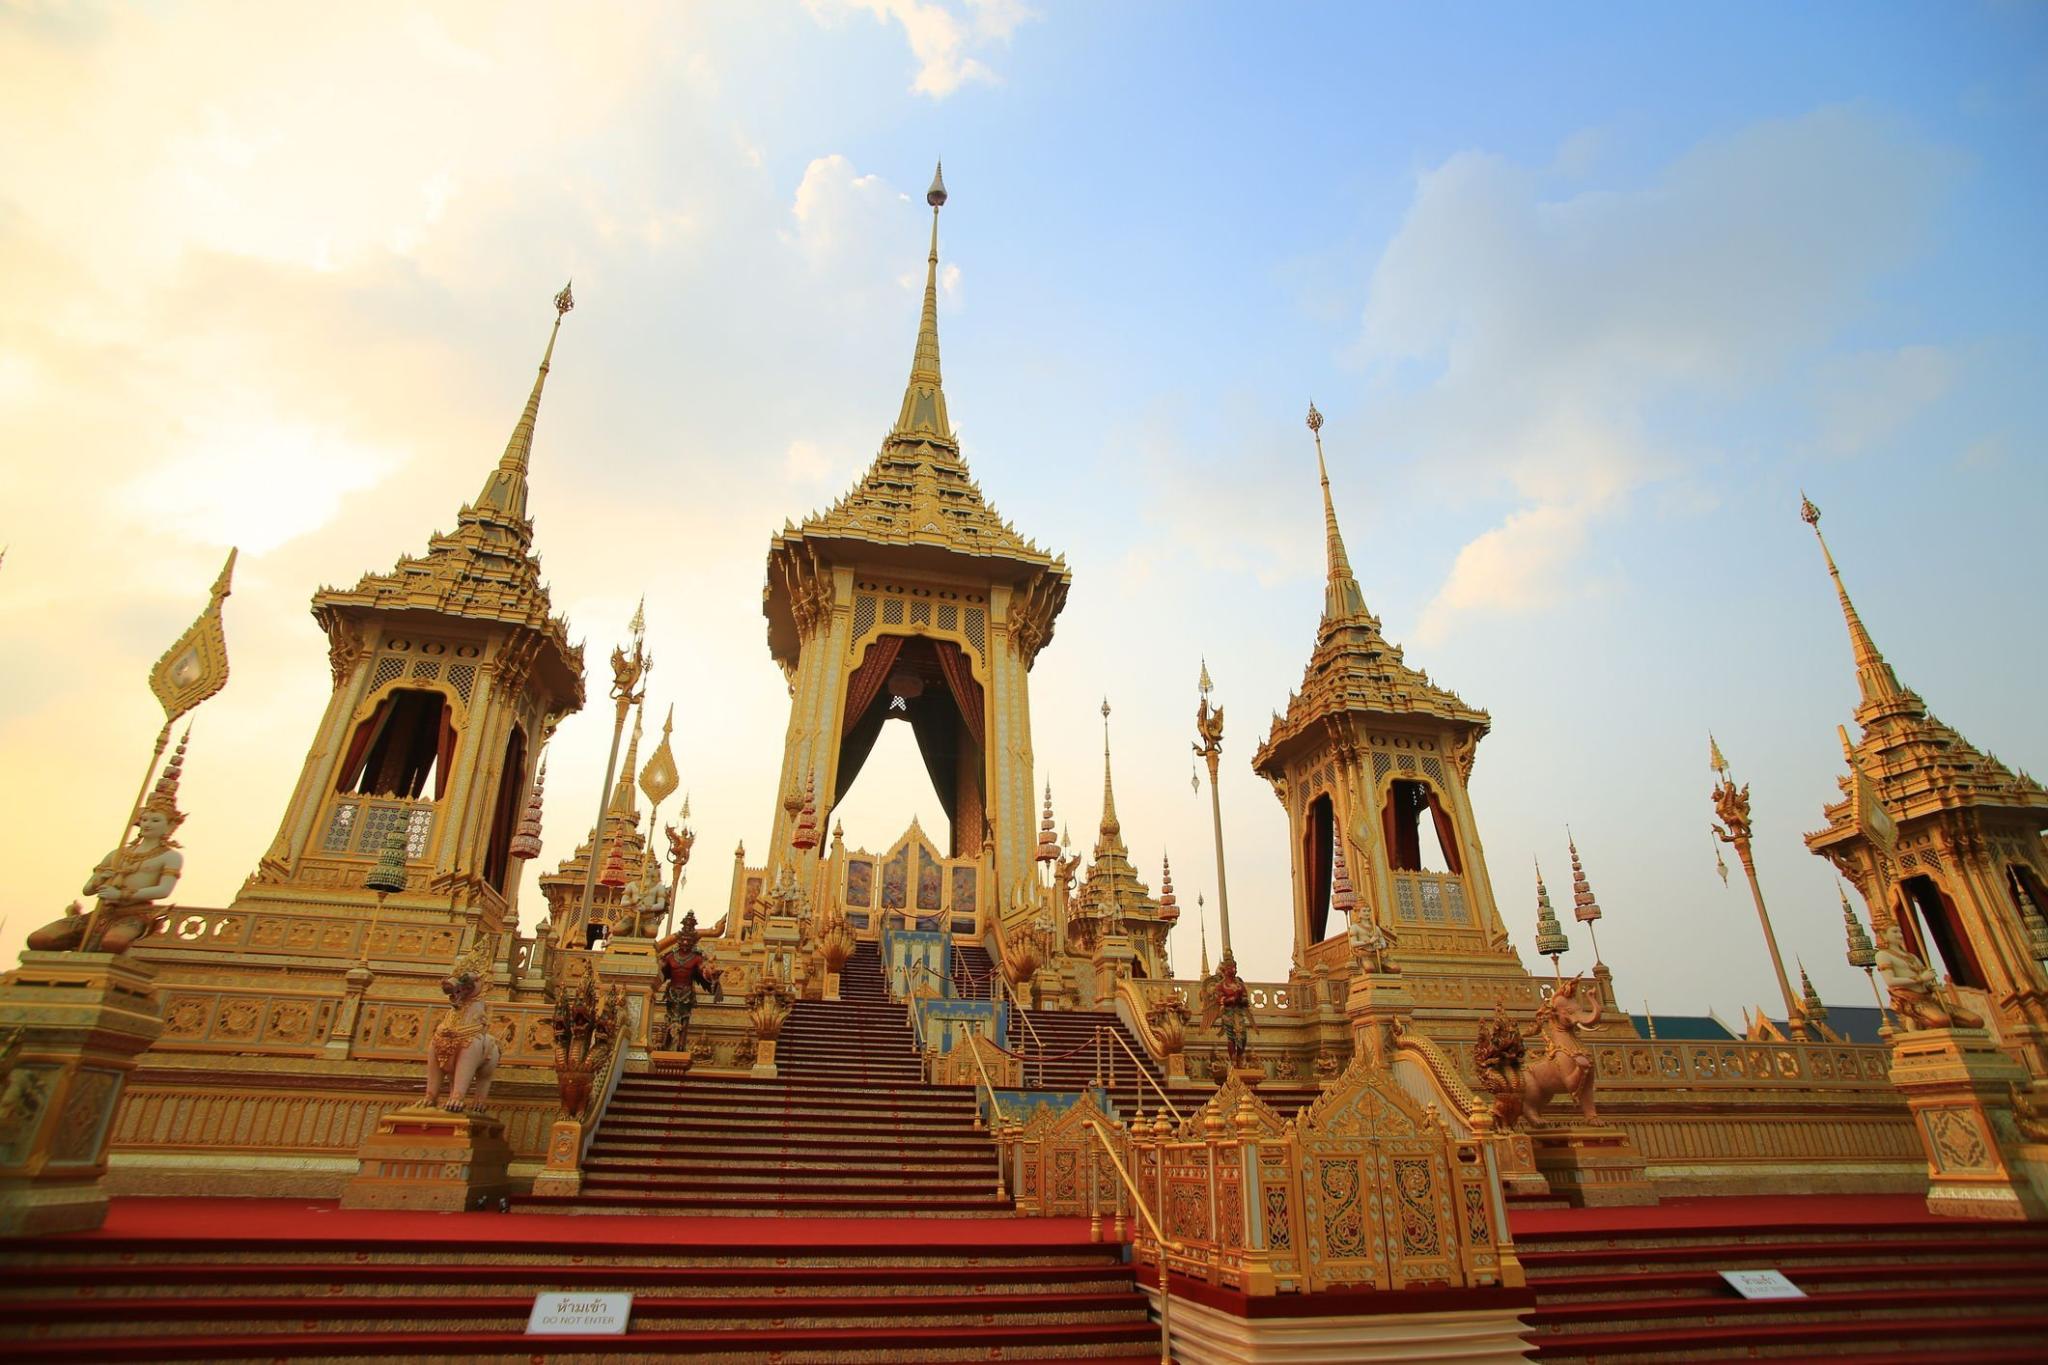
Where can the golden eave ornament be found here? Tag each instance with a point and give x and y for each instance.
(196, 665)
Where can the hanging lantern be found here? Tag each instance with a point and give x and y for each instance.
(1550, 939)
(388, 876)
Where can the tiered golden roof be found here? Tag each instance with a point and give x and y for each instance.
(485, 570)
(1920, 765)
(916, 507)
(1354, 669)
(1113, 890)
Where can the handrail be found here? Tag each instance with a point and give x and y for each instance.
(1145, 1072)
(1159, 1239)
(615, 1067)
(995, 1108)
(923, 969)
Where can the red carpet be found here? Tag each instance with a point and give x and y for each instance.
(1885, 1281)
(271, 1221)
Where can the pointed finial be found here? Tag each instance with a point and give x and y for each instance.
(1207, 686)
(1716, 760)
(1202, 917)
(639, 621)
(936, 195)
(1343, 599)
(1048, 841)
(923, 412)
(1110, 828)
(1875, 680)
(505, 490)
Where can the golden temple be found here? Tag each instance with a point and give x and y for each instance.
(946, 1099)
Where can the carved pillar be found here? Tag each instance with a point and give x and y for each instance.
(84, 1019)
(1960, 1085)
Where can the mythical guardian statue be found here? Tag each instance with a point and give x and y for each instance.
(462, 1056)
(1520, 1087)
(682, 970)
(1915, 990)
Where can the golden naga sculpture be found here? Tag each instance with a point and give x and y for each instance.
(1915, 990)
(586, 1025)
(129, 881)
(463, 1056)
(1521, 1088)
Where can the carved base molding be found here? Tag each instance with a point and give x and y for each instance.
(1592, 1166)
(424, 1158)
(1959, 1086)
(1206, 1335)
(670, 1063)
(83, 1019)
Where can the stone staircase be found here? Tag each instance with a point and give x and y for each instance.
(337, 1290)
(1916, 1290)
(848, 1126)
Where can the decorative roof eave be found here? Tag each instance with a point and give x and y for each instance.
(1356, 698)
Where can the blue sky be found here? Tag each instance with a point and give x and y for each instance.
(1587, 298)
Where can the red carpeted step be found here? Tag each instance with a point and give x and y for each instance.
(898, 1343)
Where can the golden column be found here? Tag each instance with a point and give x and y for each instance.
(629, 672)
(1209, 725)
(1731, 804)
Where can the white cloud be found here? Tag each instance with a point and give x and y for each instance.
(1532, 344)
(943, 38)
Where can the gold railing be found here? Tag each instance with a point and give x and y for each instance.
(1144, 1073)
(1158, 1237)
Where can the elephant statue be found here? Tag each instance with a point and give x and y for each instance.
(1521, 1087)
(463, 1056)
(1565, 1066)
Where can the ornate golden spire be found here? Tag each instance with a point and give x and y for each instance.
(1874, 676)
(1343, 599)
(1111, 831)
(505, 489)
(924, 402)
(623, 803)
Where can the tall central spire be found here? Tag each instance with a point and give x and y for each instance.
(505, 489)
(1343, 598)
(1111, 832)
(924, 402)
(1874, 676)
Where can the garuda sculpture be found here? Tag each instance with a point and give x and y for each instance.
(462, 1057)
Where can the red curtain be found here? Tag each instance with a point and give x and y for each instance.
(444, 753)
(351, 771)
(961, 682)
(865, 682)
(1446, 833)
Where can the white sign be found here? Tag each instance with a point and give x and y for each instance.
(1762, 1284)
(579, 1315)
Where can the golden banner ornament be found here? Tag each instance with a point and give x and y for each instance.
(659, 779)
(196, 666)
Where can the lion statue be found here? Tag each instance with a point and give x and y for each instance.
(463, 1056)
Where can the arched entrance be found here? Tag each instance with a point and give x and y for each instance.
(929, 685)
